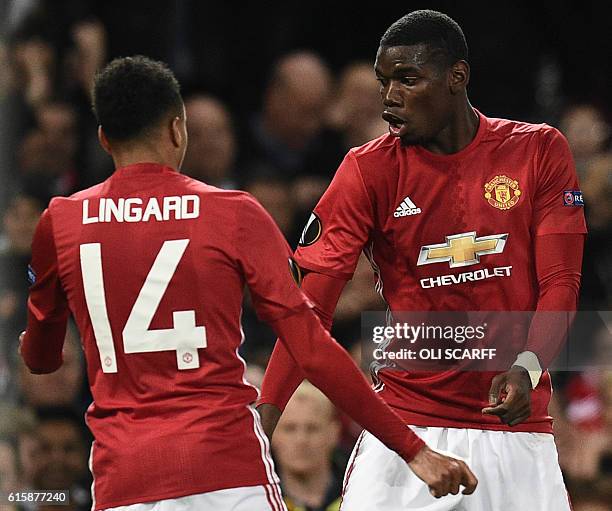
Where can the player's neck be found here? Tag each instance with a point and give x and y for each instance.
(308, 489)
(458, 134)
(136, 155)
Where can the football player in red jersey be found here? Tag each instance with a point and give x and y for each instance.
(457, 211)
(152, 264)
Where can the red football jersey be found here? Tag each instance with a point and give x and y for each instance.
(153, 264)
(449, 233)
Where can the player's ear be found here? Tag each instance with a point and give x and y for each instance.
(103, 140)
(177, 131)
(458, 76)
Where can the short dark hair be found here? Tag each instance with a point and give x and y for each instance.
(432, 28)
(132, 94)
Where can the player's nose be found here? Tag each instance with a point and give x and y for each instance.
(391, 95)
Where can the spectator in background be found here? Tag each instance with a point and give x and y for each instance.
(597, 268)
(303, 444)
(8, 472)
(305, 193)
(61, 460)
(8, 467)
(48, 151)
(357, 111)
(288, 137)
(211, 152)
(275, 196)
(597, 187)
(591, 499)
(86, 55)
(587, 133)
(35, 61)
(49, 63)
(583, 411)
(18, 430)
(19, 222)
(28, 446)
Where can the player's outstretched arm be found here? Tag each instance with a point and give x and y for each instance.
(283, 374)
(331, 242)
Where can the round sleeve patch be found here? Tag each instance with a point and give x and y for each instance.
(312, 231)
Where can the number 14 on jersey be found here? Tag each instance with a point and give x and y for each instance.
(184, 337)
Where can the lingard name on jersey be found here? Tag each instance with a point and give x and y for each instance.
(135, 209)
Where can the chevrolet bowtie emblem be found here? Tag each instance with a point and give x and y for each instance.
(462, 249)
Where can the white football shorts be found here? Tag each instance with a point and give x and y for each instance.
(247, 498)
(515, 471)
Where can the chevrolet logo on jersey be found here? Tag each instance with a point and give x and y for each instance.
(462, 249)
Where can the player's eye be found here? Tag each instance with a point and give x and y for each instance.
(409, 80)
(382, 81)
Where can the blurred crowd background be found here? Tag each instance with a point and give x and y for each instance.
(276, 93)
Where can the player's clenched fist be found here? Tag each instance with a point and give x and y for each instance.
(443, 474)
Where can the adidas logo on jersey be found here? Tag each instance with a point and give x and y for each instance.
(406, 208)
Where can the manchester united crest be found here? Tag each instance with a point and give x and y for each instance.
(502, 192)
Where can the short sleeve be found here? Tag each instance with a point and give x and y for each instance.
(340, 225)
(558, 203)
(267, 264)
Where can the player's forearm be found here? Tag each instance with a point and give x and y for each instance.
(282, 378)
(550, 324)
(41, 347)
(558, 264)
(323, 292)
(283, 375)
(329, 367)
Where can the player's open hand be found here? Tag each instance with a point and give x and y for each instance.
(510, 396)
(443, 474)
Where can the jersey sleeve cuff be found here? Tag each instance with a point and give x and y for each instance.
(269, 400)
(529, 361)
(414, 446)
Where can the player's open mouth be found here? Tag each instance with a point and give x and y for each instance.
(397, 125)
